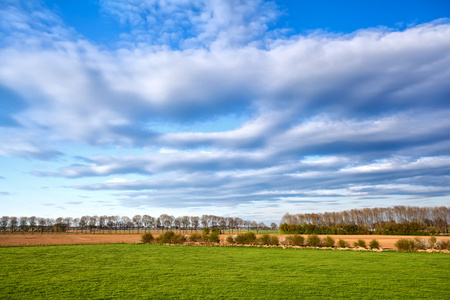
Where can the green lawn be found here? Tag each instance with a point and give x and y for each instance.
(155, 271)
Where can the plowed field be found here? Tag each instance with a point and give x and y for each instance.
(386, 241)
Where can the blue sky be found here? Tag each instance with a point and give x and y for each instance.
(234, 108)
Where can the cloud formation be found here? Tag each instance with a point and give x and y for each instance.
(199, 23)
(325, 115)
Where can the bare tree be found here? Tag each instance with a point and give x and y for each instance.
(23, 221)
(230, 223)
(238, 223)
(248, 224)
(137, 220)
(84, 221)
(4, 222)
(261, 226)
(42, 223)
(166, 221)
(93, 223)
(117, 221)
(146, 220)
(205, 221)
(110, 222)
(102, 222)
(59, 224)
(68, 223)
(50, 224)
(195, 221)
(222, 223)
(159, 224)
(13, 223)
(214, 220)
(178, 222)
(273, 226)
(32, 221)
(126, 223)
(185, 221)
(76, 223)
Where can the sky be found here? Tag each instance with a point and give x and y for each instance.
(235, 108)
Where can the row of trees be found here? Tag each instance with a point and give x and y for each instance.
(403, 220)
(124, 223)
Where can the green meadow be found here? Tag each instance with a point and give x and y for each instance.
(125, 271)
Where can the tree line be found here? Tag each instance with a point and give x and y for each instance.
(397, 220)
(123, 224)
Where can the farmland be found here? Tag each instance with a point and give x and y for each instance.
(386, 241)
(158, 271)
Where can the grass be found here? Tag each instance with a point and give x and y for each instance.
(161, 272)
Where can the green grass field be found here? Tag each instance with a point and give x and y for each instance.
(126, 271)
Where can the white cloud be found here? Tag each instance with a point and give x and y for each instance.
(322, 112)
(198, 23)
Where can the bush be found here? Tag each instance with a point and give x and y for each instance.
(274, 240)
(147, 238)
(296, 240)
(420, 243)
(195, 237)
(206, 230)
(205, 237)
(404, 245)
(178, 239)
(267, 239)
(230, 240)
(360, 243)
(343, 244)
(166, 237)
(246, 238)
(432, 242)
(313, 240)
(170, 237)
(214, 237)
(264, 239)
(443, 245)
(374, 244)
(328, 242)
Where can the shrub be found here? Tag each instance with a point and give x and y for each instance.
(274, 240)
(404, 245)
(343, 244)
(178, 239)
(313, 240)
(206, 230)
(264, 239)
(443, 245)
(419, 243)
(246, 238)
(195, 237)
(205, 237)
(214, 237)
(230, 240)
(296, 240)
(360, 243)
(432, 242)
(170, 237)
(166, 237)
(328, 242)
(374, 244)
(147, 238)
(267, 239)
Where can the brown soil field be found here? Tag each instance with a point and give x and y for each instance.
(386, 241)
(66, 239)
